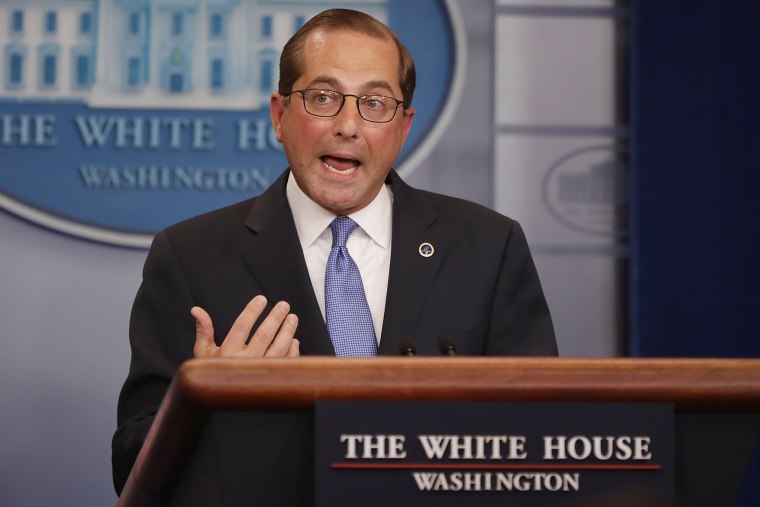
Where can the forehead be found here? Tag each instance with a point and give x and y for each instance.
(350, 58)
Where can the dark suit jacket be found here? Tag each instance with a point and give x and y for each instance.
(479, 291)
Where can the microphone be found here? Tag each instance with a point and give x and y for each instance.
(406, 347)
(447, 346)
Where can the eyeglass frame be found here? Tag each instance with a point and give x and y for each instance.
(340, 108)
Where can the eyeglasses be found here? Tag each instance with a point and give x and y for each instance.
(327, 103)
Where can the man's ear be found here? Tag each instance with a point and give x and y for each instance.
(407, 122)
(276, 108)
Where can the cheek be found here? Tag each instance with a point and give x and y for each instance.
(303, 136)
(386, 146)
(296, 144)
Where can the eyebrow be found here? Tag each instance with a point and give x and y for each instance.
(332, 82)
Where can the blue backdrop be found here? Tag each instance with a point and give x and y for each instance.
(695, 280)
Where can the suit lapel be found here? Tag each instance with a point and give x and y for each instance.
(411, 274)
(269, 244)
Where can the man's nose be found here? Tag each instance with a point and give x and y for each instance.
(346, 122)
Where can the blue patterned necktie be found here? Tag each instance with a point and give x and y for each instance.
(349, 321)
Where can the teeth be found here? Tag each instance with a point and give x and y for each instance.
(338, 171)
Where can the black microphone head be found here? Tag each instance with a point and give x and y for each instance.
(447, 346)
(406, 347)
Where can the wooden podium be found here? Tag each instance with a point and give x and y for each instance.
(231, 428)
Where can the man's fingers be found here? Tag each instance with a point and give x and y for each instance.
(241, 329)
(295, 348)
(273, 338)
(267, 330)
(280, 346)
(204, 333)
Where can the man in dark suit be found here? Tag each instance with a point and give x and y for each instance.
(437, 272)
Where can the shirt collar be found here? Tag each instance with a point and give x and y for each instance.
(311, 219)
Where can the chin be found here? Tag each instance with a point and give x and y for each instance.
(339, 206)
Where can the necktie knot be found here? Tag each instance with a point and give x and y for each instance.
(341, 228)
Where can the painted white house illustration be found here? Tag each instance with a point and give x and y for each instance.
(218, 54)
(601, 183)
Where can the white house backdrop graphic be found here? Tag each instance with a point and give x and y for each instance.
(214, 54)
(119, 117)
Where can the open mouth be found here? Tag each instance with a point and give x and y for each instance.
(339, 165)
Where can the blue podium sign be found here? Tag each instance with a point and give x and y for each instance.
(484, 454)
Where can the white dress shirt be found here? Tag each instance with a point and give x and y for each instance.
(369, 245)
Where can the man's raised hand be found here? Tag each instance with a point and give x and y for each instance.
(273, 338)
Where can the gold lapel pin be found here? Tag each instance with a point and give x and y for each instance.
(426, 250)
